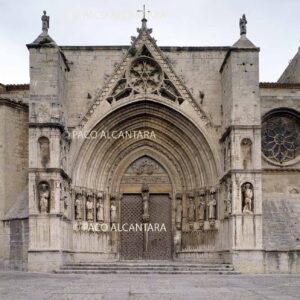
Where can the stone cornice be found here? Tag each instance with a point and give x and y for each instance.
(47, 125)
(233, 127)
(278, 85)
(15, 87)
(239, 171)
(280, 170)
(163, 48)
(14, 103)
(51, 170)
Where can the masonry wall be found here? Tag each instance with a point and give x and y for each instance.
(13, 163)
(91, 67)
(281, 196)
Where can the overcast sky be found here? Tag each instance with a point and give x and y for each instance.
(273, 25)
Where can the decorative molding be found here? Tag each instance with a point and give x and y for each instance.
(236, 127)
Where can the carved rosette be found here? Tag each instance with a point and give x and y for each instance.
(145, 76)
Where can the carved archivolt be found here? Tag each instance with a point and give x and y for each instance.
(178, 145)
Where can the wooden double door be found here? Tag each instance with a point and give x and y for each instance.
(149, 244)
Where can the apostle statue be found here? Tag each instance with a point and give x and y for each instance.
(212, 203)
(78, 206)
(202, 206)
(89, 208)
(100, 208)
(113, 212)
(191, 208)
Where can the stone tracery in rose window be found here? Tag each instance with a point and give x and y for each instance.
(281, 138)
(145, 76)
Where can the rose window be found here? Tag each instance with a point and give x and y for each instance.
(145, 75)
(281, 138)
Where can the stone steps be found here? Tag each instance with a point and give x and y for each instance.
(146, 268)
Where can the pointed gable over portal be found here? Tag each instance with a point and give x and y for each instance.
(144, 71)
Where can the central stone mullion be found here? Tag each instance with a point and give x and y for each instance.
(146, 215)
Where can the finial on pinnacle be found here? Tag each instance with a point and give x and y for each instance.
(45, 22)
(144, 20)
(243, 25)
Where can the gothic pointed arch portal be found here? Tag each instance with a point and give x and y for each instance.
(174, 165)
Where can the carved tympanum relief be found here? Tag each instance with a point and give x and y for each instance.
(145, 170)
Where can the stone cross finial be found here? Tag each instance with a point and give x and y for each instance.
(144, 20)
(243, 24)
(144, 11)
(45, 22)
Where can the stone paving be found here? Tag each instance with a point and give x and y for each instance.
(20, 285)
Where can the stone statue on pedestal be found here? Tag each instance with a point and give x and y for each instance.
(202, 206)
(113, 210)
(100, 208)
(243, 24)
(191, 208)
(212, 206)
(78, 206)
(247, 190)
(45, 22)
(89, 208)
(44, 196)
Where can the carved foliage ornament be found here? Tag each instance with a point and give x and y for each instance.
(281, 138)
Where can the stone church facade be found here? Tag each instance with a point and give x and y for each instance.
(143, 152)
